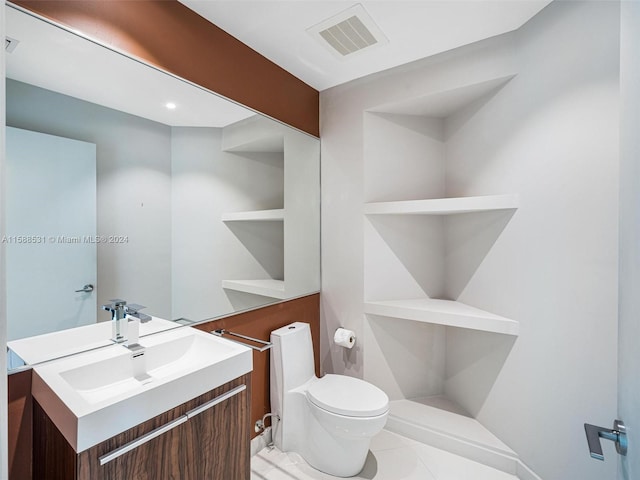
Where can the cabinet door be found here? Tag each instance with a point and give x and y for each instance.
(192, 442)
(215, 442)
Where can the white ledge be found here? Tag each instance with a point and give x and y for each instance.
(266, 288)
(443, 206)
(255, 216)
(443, 312)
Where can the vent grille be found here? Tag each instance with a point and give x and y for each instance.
(348, 32)
(10, 44)
(348, 36)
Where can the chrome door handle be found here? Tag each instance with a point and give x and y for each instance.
(617, 434)
(86, 289)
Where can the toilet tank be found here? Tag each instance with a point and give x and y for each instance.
(292, 362)
(292, 366)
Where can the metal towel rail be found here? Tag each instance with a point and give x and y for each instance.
(265, 345)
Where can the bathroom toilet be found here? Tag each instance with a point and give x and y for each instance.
(329, 421)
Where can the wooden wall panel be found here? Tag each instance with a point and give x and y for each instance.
(259, 324)
(176, 39)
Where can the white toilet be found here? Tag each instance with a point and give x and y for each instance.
(328, 420)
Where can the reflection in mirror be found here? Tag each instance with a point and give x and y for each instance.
(126, 182)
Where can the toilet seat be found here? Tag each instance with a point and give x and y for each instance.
(349, 396)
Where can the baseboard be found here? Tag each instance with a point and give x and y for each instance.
(500, 461)
(485, 456)
(261, 441)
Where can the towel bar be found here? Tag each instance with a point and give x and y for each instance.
(265, 345)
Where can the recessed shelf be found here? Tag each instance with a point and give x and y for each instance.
(444, 103)
(266, 144)
(443, 312)
(255, 216)
(255, 134)
(443, 206)
(266, 288)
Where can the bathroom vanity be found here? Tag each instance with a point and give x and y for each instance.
(177, 405)
(213, 444)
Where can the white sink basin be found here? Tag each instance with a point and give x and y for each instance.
(95, 395)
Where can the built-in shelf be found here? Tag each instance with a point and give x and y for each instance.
(421, 232)
(266, 288)
(265, 144)
(255, 216)
(439, 422)
(443, 312)
(443, 104)
(255, 134)
(443, 206)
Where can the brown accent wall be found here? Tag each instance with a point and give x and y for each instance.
(20, 425)
(174, 38)
(259, 324)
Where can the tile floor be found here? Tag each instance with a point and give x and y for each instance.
(391, 457)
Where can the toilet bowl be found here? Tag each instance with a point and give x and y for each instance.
(329, 421)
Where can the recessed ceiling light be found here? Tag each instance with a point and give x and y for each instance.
(171, 106)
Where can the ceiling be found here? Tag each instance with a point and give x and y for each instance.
(415, 29)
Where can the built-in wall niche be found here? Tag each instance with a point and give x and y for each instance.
(426, 370)
(273, 223)
(426, 236)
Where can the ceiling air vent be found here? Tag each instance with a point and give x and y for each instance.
(350, 31)
(10, 44)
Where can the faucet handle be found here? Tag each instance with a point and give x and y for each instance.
(143, 317)
(134, 307)
(134, 311)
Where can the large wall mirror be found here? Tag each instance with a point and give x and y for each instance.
(126, 182)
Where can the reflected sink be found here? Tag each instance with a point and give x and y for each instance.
(45, 347)
(95, 395)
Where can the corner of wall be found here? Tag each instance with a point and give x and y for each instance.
(4, 467)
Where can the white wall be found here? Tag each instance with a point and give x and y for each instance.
(4, 465)
(629, 354)
(133, 189)
(550, 135)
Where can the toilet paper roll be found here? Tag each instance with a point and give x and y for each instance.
(344, 338)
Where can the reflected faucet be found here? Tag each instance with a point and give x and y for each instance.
(121, 315)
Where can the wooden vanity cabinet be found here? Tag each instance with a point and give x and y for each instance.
(185, 443)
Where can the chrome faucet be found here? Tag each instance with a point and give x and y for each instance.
(120, 312)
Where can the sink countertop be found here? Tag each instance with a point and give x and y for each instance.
(50, 346)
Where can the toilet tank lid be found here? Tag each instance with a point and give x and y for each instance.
(348, 396)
